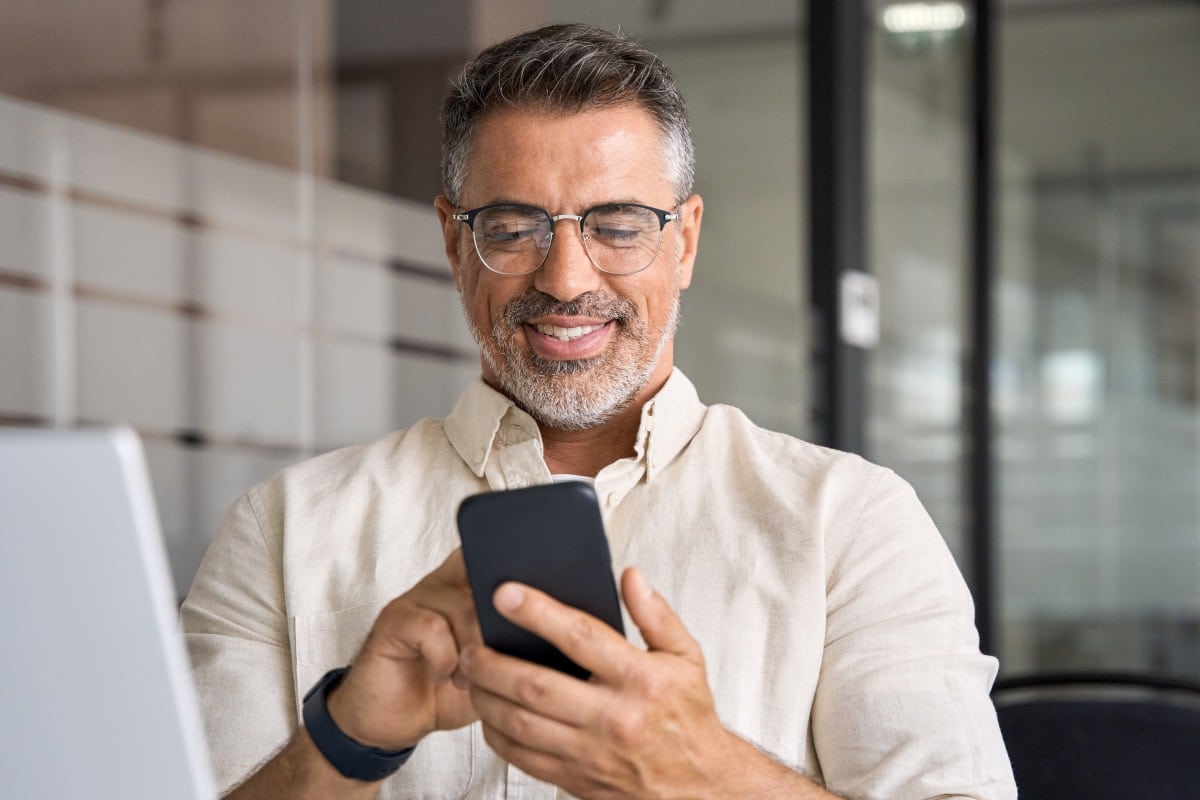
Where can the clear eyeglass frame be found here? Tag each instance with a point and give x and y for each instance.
(545, 238)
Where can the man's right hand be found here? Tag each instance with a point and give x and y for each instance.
(401, 687)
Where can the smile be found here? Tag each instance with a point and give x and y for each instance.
(566, 334)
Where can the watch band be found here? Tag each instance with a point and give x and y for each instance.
(350, 758)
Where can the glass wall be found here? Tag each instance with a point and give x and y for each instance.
(1097, 376)
(918, 227)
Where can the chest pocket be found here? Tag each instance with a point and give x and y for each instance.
(442, 766)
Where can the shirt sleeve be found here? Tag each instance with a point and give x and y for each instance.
(902, 709)
(235, 626)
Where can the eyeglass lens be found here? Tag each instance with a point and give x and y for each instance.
(515, 239)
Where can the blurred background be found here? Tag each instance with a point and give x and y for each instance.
(216, 225)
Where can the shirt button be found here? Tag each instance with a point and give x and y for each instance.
(611, 499)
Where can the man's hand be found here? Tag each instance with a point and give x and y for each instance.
(401, 686)
(644, 725)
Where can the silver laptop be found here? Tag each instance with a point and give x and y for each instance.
(96, 698)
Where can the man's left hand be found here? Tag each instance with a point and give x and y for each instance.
(643, 726)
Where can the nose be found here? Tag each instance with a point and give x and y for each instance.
(567, 271)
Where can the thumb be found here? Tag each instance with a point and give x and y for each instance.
(660, 626)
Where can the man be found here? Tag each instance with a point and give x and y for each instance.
(809, 628)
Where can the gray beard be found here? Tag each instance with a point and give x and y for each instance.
(581, 394)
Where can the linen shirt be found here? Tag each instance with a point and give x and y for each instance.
(837, 631)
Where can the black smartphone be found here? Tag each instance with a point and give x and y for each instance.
(550, 537)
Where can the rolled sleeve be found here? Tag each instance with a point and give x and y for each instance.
(902, 708)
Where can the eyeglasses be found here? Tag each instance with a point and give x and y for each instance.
(620, 238)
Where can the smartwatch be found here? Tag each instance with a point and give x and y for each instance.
(352, 759)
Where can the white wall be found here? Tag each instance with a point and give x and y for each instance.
(205, 298)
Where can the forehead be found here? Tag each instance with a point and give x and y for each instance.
(563, 160)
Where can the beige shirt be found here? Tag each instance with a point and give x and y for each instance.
(838, 633)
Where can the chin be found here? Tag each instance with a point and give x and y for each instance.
(568, 395)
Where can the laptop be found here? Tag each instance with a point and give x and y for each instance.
(96, 696)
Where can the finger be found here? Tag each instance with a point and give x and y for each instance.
(459, 613)
(516, 722)
(543, 766)
(407, 628)
(446, 591)
(544, 691)
(589, 642)
(453, 597)
(412, 631)
(660, 626)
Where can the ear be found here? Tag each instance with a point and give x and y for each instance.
(690, 213)
(450, 234)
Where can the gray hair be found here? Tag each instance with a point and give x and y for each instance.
(565, 69)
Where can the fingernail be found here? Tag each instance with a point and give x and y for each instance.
(509, 597)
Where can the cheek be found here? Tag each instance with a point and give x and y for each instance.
(470, 280)
(485, 297)
(480, 309)
(655, 299)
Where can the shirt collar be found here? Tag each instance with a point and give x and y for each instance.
(472, 426)
(484, 421)
(670, 420)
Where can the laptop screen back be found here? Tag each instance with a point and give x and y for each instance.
(95, 689)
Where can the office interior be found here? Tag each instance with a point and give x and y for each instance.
(216, 225)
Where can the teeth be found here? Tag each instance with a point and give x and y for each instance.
(567, 334)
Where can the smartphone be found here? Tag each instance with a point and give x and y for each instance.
(550, 537)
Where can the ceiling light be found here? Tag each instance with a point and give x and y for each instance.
(924, 17)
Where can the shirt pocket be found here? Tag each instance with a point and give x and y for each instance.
(441, 767)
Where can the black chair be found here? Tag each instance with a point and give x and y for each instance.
(1101, 736)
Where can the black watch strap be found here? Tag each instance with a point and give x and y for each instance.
(352, 759)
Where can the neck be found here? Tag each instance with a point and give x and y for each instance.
(588, 451)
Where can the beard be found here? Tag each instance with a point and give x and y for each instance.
(583, 393)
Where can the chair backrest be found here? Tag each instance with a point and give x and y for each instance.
(1101, 736)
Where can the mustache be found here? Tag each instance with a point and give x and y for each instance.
(533, 303)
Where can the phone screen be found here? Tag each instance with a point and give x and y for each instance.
(550, 537)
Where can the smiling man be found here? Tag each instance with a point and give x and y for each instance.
(575, 307)
(807, 636)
